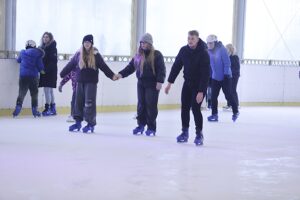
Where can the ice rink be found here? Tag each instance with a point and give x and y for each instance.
(258, 157)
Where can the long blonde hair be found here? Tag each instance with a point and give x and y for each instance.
(87, 58)
(231, 49)
(140, 59)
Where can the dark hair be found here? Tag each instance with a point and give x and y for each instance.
(50, 36)
(194, 32)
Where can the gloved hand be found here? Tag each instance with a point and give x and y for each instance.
(60, 88)
(43, 72)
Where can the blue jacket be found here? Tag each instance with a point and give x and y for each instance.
(31, 62)
(219, 62)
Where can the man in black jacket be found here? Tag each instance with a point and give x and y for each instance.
(196, 65)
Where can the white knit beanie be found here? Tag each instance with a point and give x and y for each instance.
(211, 38)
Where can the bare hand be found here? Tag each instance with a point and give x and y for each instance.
(167, 89)
(60, 88)
(118, 76)
(115, 77)
(199, 97)
(158, 85)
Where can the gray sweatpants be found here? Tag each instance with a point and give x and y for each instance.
(85, 103)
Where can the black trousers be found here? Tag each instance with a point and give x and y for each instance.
(235, 80)
(226, 87)
(147, 110)
(73, 103)
(85, 103)
(208, 96)
(188, 101)
(31, 84)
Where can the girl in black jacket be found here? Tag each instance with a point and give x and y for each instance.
(235, 68)
(150, 71)
(87, 62)
(49, 79)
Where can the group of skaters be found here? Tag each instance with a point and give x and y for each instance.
(205, 65)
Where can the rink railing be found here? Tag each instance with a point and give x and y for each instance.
(168, 59)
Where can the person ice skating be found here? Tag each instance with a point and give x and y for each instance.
(221, 76)
(70, 76)
(150, 70)
(49, 79)
(195, 62)
(235, 69)
(30, 65)
(87, 61)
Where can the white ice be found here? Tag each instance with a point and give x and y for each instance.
(258, 157)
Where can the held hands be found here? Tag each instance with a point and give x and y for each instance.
(167, 89)
(158, 85)
(199, 97)
(117, 77)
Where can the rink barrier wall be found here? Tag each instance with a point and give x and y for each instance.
(262, 83)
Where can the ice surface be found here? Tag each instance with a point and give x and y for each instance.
(258, 157)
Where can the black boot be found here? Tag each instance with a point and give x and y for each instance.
(52, 109)
(199, 138)
(46, 111)
(184, 136)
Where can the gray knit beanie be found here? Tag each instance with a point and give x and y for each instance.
(147, 38)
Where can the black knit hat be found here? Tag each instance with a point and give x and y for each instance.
(89, 38)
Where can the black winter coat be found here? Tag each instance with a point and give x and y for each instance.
(49, 79)
(147, 77)
(235, 65)
(196, 66)
(87, 75)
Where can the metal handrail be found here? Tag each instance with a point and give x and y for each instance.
(167, 59)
